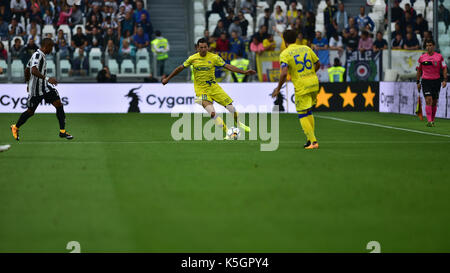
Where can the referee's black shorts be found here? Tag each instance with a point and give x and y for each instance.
(50, 97)
(431, 88)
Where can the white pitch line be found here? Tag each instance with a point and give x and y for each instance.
(382, 126)
(251, 142)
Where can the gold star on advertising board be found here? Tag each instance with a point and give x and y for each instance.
(348, 97)
(368, 96)
(323, 97)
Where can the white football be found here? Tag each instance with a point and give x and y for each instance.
(234, 133)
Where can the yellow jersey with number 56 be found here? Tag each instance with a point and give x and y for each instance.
(300, 61)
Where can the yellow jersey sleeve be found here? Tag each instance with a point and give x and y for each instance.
(188, 62)
(218, 61)
(284, 59)
(313, 55)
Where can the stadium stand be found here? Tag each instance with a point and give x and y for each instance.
(183, 26)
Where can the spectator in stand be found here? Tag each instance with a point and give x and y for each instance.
(18, 8)
(248, 6)
(126, 51)
(127, 6)
(352, 41)
(212, 44)
(411, 42)
(228, 20)
(206, 35)
(64, 50)
(300, 39)
(127, 37)
(111, 50)
(35, 13)
(427, 35)
(237, 44)
(235, 27)
(408, 21)
(105, 76)
(256, 46)
(397, 43)
(32, 25)
(64, 16)
(141, 39)
(365, 42)
(298, 26)
(269, 43)
(380, 43)
(261, 34)
(409, 10)
(396, 13)
(219, 29)
(363, 21)
(340, 19)
(48, 17)
(243, 23)
(79, 40)
(29, 50)
(33, 35)
(127, 23)
(3, 52)
(320, 46)
(15, 28)
(108, 23)
(398, 30)
(16, 51)
(336, 43)
(60, 36)
(3, 29)
(139, 10)
(145, 24)
(310, 25)
(95, 39)
(80, 64)
(110, 35)
(444, 16)
(92, 22)
(120, 15)
(96, 11)
(292, 13)
(110, 12)
(328, 15)
(268, 21)
(222, 44)
(76, 18)
(280, 18)
(421, 25)
(218, 6)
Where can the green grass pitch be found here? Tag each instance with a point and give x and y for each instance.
(123, 185)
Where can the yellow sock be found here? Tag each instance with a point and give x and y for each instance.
(308, 129)
(62, 131)
(219, 122)
(311, 121)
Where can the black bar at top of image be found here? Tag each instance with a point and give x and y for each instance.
(225, 262)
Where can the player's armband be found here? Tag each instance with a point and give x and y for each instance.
(283, 65)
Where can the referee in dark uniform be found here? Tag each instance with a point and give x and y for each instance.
(39, 88)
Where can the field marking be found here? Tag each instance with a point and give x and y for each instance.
(382, 126)
(247, 142)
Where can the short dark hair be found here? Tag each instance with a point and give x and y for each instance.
(47, 42)
(202, 41)
(337, 62)
(158, 33)
(429, 41)
(266, 10)
(289, 36)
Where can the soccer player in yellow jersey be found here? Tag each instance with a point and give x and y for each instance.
(301, 63)
(206, 88)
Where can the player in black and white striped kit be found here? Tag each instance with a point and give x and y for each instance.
(39, 88)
